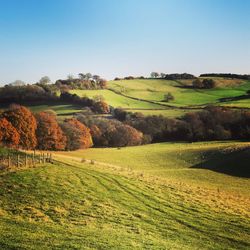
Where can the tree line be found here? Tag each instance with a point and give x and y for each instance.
(212, 123)
(227, 75)
(20, 128)
(35, 94)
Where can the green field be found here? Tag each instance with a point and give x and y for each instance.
(147, 95)
(117, 100)
(63, 109)
(147, 197)
(154, 90)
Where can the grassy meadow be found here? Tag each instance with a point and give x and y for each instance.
(147, 95)
(154, 90)
(147, 197)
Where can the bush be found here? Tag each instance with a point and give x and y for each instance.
(168, 97)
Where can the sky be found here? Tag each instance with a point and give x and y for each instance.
(116, 38)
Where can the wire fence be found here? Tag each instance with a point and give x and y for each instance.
(24, 159)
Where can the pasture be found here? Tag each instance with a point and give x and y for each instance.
(145, 197)
(59, 109)
(147, 95)
(154, 90)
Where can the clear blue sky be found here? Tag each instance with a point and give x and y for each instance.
(122, 37)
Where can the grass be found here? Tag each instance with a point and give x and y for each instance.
(61, 109)
(154, 90)
(117, 100)
(147, 95)
(175, 161)
(133, 205)
(245, 103)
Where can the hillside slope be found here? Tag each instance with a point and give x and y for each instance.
(146, 197)
(79, 206)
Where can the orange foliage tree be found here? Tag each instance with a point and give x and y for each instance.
(101, 107)
(49, 134)
(8, 134)
(25, 123)
(78, 135)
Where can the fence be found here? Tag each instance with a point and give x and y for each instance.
(24, 159)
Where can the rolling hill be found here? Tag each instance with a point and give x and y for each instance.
(146, 197)
(156, 196)
(147, 95)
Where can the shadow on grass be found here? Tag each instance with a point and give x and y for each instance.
(235, 98)
(234, 162)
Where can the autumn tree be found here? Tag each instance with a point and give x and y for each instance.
(8, 134)
(125, 135)
(49, 134)
(101, 107)
(96, 134)
(102, 83)
(25, 123)
(198, 84)
(78, 135)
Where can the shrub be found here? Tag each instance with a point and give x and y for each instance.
(168, 97)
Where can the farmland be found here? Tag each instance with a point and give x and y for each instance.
(147, 95)
(142, 197)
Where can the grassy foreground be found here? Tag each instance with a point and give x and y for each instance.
(125, 201)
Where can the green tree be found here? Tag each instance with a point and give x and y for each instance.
(168, 97)
(44, 80)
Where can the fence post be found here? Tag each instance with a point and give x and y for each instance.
(33, 159)
(9, 161)
(43, 157)
(18, 159)
(26, 162)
